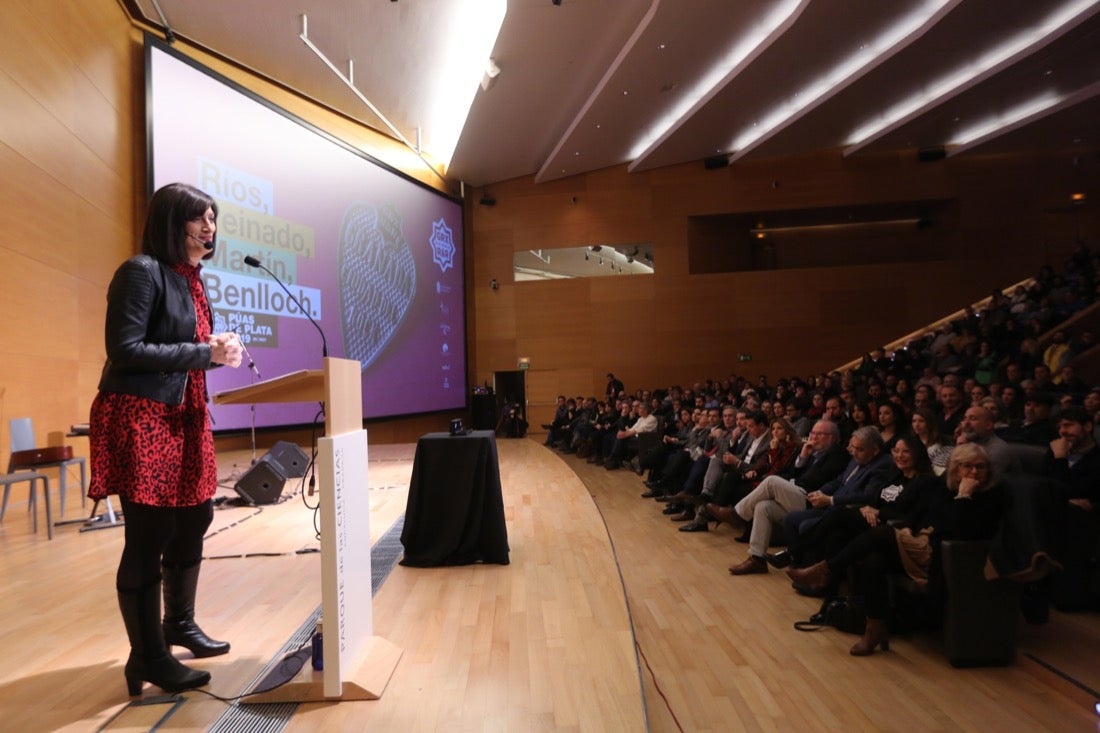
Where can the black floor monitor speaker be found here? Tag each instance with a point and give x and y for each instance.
(292, 458)
(263, 483)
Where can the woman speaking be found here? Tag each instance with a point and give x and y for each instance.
(150, 433)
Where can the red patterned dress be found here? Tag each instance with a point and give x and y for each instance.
(152, 453)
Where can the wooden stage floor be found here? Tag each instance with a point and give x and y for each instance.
(607, 619)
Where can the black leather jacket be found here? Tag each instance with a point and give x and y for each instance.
(150, 332)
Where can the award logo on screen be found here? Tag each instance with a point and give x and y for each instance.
(443, 246)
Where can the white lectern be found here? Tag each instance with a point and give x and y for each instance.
(358, 665)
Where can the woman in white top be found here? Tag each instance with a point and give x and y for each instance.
(924, 423)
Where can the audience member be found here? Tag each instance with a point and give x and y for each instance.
(1073, 460)
(820, 461)
(867, 472)
(1036, 427)
(626, 439)
(969, 508)
(977, 427)
(925, 427)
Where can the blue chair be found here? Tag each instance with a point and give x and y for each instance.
(32, 478)
(25, 456)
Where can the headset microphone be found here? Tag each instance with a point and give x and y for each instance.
(203, 242)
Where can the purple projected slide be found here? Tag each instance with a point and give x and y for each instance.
(374, 257)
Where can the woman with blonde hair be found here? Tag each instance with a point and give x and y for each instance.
(968, 506)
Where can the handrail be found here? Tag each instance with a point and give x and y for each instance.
(892, 346)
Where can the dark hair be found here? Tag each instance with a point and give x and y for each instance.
(759, 417)
(893, 407)
(932, 421)
(171, 207)
(922, 462)
(1077, 414)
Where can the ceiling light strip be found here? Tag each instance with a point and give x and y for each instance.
(304, 35)
(736, 60)
(1020, 116)
(992, 62)
(886, 45)
(597, 91)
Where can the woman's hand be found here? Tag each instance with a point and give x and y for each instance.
(968, 486)
(225, 348)
(870, 514)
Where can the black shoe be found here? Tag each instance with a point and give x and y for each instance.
(694, 527)
(744, 538)
(652, 494)
(673, 509)
(808, 591)
(779, 559)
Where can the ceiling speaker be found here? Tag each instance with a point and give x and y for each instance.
(929, 155)
(716, 161)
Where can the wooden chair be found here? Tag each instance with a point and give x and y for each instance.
(32, 478)
(25, 456)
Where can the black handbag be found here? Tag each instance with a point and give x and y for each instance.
(844, 613)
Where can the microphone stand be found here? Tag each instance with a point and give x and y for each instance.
(255, 373)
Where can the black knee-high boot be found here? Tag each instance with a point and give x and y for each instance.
(180, 628)
(149, 658)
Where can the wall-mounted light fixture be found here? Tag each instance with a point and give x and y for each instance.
(760, 230)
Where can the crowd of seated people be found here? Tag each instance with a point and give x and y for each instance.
(871, 469)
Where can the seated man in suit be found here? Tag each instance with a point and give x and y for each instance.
(870, 469)
(821, 460)
(728, 469)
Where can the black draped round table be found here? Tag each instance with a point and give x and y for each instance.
(455, 511)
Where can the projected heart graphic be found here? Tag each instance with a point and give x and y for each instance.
(377, 279)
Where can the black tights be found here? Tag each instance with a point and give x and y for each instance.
(876, 552)
(155, 536)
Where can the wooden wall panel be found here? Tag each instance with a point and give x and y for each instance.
(800, 321)
(72, 156)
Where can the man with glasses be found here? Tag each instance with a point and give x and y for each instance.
(822, 458)
(866, 474)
